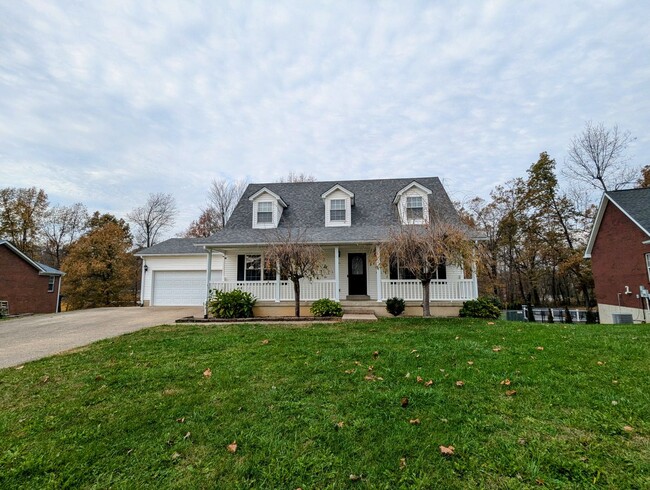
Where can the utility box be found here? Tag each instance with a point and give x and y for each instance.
(622, 318)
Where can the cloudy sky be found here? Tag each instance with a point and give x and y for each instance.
(106, 102)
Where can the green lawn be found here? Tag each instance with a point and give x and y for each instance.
(138, 411)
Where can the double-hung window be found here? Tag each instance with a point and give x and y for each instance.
(265, 212)
(414, 208)
(253, 268)
(50, 284)
(337, 210)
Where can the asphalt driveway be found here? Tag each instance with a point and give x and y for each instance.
(29, 338)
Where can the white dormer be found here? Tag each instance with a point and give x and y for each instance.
(413, 204)
(338, 206)
(267, 208)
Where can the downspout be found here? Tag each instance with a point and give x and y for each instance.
(58, 296)
(142, 281)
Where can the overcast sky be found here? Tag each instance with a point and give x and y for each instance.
(106, 102)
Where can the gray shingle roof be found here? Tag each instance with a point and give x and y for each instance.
(372, 215)
(173, 246)
(636, 203)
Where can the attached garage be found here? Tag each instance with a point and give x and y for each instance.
(174, 273)
(180, 288)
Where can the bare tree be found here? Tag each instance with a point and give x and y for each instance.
(421, 249)
(295, 177)
(296, 259)
(223, 196)
(206, 225)
(597, 157)
(63, 225)
(157, 215)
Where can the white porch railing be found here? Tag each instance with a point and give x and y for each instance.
(269, 291)
(411, 290)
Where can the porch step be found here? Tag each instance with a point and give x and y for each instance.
(358, 310)
(359, 317)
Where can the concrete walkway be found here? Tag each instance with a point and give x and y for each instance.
(33, 337)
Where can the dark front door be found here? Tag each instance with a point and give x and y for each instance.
(357, 280)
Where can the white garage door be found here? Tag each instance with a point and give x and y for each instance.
(180, 288)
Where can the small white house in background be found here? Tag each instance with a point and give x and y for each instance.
(174, 273)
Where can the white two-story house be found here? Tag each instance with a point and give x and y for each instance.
(348, 219)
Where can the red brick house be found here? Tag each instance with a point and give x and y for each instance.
(27, 286)
(619, 249)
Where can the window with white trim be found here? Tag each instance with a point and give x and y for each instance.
(253, 268)
(337, 210)
(265, 212)
(414, 208)
(50, 284)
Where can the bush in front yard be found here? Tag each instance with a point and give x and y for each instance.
(326, 307)
(395, 306)
(480, 308)
(233, 304)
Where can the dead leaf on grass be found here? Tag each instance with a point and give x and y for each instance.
(447, 450)
(496, 349)
(181, 420)
(539, 482)
(350, 371)
(457, 337)
(18, 368)
(187, 436)
(539, 347)
(428, 383)
(414, 421)
(490, 323)
(175, 455)
(45, 379)
(357, 363)
(99, 377)
(460, 383)
(511, 392)
(414, 351)
(404, 401)
(355, 477)
(471, 363)
(600, 363)
(207, 373)
(339, 425)
(375, 354)
(265, 341)
(372, 377)
(402, 463)
(628, 428)
(419, 379)
(232, 448)
(506, 382)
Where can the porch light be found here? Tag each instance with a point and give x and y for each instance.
(146, 267)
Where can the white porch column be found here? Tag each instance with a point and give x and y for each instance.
(277, 282)
(474, 281)
(337, 280)
(142, 282)
(208, 280)
(378, 264)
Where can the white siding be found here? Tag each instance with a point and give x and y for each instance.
(414, 192)
(277, 210)
(338, 194)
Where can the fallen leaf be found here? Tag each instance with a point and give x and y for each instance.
(405, 402)
(232, 448)
(628, 428)
(506, 382)
(428, 383)
(370, 368)
(460, 384)
(408, 375)
(372, 377)
(375, 354)
(539, 481)
(355, 477)
(207, 373)
(176, 455)
(496, 349)
(45, 379)
(457, 337)
(265, 341)
(414, 351)
(99, 377)
(340, 424)
(614, 381)
(18, 368)
(350, 371)
(447, 450)
(539, 348)
(402, 463)
(600, 363)
(414, 421)
(614, 402)
(357, 363)
(181, 420)
(187, 436)
(490, 323)
(129, 452)
(419, 379)
(471, 363)
(511, 392)
(521, 441)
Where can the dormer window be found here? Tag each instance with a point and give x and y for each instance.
(414, 208)
(338, 206)
(267, 208)
(265, 212)
(413, 204)
(337, 210)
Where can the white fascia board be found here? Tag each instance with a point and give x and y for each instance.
(599, 217)
(267, 191)
(338, 187)
(415, 183)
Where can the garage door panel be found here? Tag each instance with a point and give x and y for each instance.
(180, 288)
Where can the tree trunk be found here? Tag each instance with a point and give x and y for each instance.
(426, 311)
(296, 294)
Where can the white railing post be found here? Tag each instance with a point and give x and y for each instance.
(208, 280)
(336, 275)
(277, 282)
